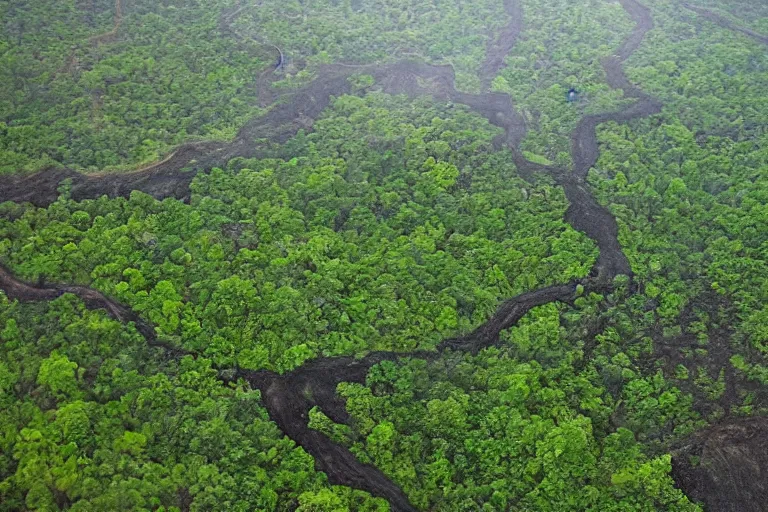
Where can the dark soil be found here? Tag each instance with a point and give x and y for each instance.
(499, 49)
(290, 397)
(733, 452)
(290, 411)
(508, 314)
(726, 466)
(585, 214)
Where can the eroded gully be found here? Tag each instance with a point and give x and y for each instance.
(289, 398)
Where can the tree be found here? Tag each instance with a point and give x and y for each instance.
(57, 373)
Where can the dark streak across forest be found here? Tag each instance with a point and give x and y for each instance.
(285, 396)
(498, 50)
(298, 111)
(725, 22)
(584, 147)
(16, 289)
(289, 397)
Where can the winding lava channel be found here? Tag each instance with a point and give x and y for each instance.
(285, 396)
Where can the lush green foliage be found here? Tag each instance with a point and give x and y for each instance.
(392, 227)
(364, 31)
(689, 191)
(753, 15)
(487, 432)
(394, 224)
(555, 55)
(72, 98)
(94, 420)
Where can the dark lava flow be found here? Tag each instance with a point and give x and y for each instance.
(289, 397)
(730, 475)
(498, 50)
(172, 176)
(16, 289)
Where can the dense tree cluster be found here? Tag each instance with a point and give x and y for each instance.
(490, 432)
(393, 226)
(93, 419)
(168, 75)
(364, 31)
(689, 190)
(171, 73)
(555, 55)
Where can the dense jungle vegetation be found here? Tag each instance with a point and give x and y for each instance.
(387, 225)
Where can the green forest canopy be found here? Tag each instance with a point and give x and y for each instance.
(393, 224)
